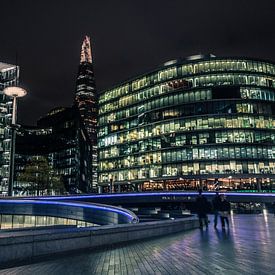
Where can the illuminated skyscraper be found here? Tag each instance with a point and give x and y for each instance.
(86, 100)
(9, 75)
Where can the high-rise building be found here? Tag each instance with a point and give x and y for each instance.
(85, 96)
(66, 137)
(86, 101)
(200, 121)
(9, 75)
(61, 138)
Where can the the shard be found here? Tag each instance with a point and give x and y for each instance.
(86, 101)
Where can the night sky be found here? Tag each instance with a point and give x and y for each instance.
(128, 38)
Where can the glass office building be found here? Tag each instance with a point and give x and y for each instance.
(8, 77)
(201, 121)
(62, 139)
(86, 102)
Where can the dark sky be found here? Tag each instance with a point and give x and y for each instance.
(128, 38)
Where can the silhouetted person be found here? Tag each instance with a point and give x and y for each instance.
(202, 207)
(224, 211)
(216, 203)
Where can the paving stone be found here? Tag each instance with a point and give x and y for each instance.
(245, 248)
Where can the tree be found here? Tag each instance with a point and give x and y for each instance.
(40, 177)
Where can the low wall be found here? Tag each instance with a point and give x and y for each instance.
(25, 246)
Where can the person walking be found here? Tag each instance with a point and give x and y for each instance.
(202, 208)
(216, 203)
(224, 211)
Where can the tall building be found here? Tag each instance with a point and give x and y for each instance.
(202, 121)
(86, 101)
(61, 138)
(66, 137)
(9, 75)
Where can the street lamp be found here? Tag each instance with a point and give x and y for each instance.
(13, 92)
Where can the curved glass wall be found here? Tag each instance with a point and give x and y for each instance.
(204, 122)
(27, 221)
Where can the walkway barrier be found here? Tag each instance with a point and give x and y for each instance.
(22, 247)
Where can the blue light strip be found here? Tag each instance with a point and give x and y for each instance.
(155, 194)
(113, 209)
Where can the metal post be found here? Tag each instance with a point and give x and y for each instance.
(200, 183)
(13, 121)
(11, 176)
(13, 135)
(99, 189)
(13, 92)
(259, 187)
(111, 185)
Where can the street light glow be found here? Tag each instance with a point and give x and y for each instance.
(15, 92)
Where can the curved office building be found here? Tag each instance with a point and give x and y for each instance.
(201, 121)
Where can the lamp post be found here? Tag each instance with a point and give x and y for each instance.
(111, 185)
(13, 92)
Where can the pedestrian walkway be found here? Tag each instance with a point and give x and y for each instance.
(246, 248)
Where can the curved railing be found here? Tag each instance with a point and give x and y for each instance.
(89, 212)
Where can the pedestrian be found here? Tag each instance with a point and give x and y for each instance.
(216, 203)
(224, 211)
(202, 207)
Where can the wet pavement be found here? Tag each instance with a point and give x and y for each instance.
(247, 247)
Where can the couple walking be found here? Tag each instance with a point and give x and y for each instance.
(220, 206)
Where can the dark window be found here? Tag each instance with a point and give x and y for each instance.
(226, 92)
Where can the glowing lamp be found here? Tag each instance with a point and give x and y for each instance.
(15, 92)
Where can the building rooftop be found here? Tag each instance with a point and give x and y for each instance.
(181, 61)
(5, 66)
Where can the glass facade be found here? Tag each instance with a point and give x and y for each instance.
(8, 77)
(86, 102)
(193, 122)
(61, 138)
(26, 221)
